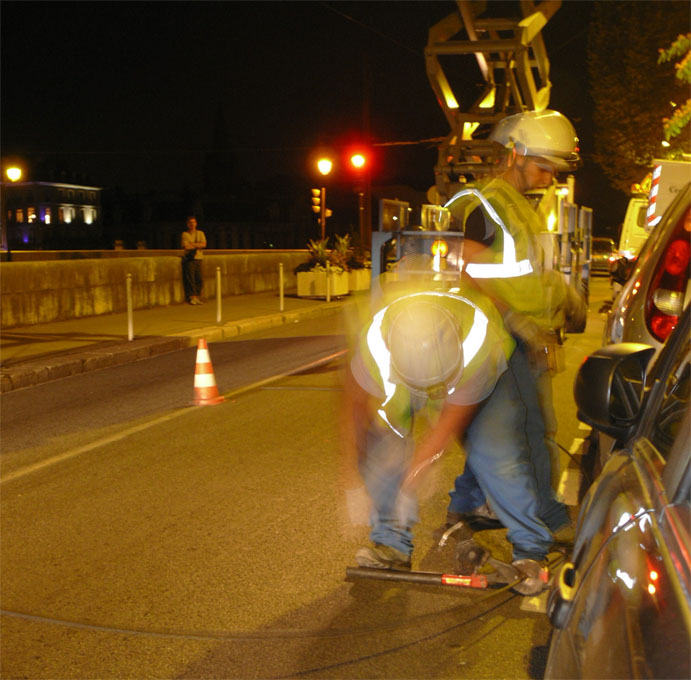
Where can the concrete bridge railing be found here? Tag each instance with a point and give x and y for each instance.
(46, 290)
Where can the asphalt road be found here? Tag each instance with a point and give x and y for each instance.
(143, 538)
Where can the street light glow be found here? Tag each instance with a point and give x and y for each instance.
(324, 165)
(14, 174)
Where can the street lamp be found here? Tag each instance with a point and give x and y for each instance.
(13, 174)
(324, 165)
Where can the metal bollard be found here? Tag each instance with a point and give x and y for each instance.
(130, 321)
(280, 285)
(328, 282)
(218, 295)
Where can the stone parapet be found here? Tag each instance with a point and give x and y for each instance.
(61, 289)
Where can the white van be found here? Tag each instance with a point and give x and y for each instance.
(633, 231)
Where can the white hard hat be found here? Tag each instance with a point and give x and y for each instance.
(426, 348)
(547, 134)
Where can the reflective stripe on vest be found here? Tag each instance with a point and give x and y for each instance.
(509, 267)
(382, 357)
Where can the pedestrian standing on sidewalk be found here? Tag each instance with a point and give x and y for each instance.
(193, 243)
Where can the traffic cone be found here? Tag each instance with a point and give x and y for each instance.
(205, 390)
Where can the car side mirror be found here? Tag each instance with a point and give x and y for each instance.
(621, 270)
(609, 387)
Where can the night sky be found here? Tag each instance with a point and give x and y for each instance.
(128, 93)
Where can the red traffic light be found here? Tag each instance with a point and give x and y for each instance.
(358, 160)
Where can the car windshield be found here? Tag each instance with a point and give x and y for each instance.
(603, 246)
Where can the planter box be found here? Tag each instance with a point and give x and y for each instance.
(359, 279)
(313, 284)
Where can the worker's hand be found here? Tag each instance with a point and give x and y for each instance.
(406, 508)
(358, 506)
(526, 329)
(576, 308)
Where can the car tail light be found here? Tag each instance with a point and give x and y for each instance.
(668, 285)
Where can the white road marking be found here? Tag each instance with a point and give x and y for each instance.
(569, 484)
(576, 447)
(42, 464)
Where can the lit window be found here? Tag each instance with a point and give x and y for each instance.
(31, 215)
(20, 215)
(88, 215)
(46, 216)
(66, 214)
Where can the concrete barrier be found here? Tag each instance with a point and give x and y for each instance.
(61, 289)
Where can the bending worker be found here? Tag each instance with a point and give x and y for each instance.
(448, 350)
(503, 256)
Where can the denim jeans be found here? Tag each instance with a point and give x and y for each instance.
(507, 462)
(192, 277)
(382, 468)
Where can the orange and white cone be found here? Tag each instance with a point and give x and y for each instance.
(205, 390)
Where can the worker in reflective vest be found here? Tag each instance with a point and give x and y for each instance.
(448, 350)
(503, 256)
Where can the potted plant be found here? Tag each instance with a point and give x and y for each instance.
(359, 271)
(323, 268)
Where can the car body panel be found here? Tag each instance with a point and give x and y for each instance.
(626, 321)
(626, 612)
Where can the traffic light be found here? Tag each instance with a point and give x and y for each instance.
(317, 200)
(359, 160)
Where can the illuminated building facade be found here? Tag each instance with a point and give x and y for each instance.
(52, 215)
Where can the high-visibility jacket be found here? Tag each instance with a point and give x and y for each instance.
(511, 269)
(487, 346)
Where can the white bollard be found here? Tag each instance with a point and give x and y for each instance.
(218, 295)
(328, 282)
(130, 321)
(280, 285)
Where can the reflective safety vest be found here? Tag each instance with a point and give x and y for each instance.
(509, 270)
(481, 328)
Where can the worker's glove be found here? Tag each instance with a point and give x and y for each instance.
(406, 508)
(534, 338)
(526, 329)
(575, 307)
(358, 506)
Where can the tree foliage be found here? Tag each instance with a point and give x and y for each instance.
(681, 47)
(630, 90)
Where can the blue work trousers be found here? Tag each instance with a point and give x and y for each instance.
(508, 463)
(383, 467)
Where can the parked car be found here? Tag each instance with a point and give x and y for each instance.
(603, 253)
(657, 290)
(621, 605)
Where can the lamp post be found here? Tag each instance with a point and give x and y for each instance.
(324, 166)
(13, 174)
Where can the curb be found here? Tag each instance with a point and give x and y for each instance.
(45, 369)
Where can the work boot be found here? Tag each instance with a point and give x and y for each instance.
(481, 518)
(382, 557)
(470, 556)
(535, 576)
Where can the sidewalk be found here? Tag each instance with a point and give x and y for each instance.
(35, 354)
